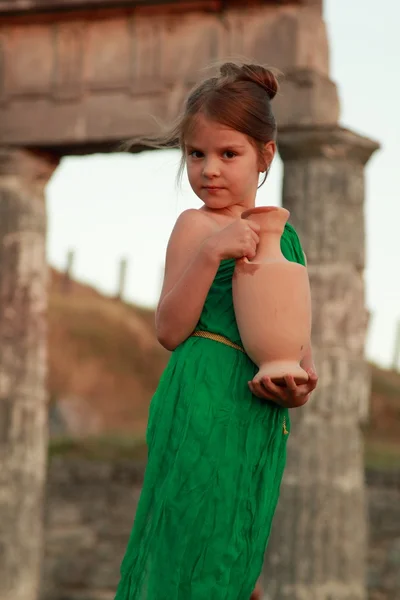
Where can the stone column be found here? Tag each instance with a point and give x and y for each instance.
(318, 543)
(23, 400)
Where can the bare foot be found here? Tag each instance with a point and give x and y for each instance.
(257, 593)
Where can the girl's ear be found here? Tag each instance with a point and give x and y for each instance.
(268, 154)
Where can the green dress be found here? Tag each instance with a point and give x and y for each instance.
(216, 456)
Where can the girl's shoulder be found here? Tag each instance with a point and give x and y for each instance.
(194, 222)
(191, 228)
(194, 216)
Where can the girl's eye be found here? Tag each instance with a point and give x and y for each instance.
(230, 154)
(196, 154)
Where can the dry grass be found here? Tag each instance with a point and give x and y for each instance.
(107, 448)
(382, 455)
(104, 353)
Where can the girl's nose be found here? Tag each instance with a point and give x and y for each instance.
(211, 168)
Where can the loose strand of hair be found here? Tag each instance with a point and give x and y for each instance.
(169, 138)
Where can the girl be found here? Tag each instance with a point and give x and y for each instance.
(216, 440)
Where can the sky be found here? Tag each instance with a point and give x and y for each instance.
(108, 207)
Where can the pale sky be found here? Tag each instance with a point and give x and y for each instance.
(110, 206)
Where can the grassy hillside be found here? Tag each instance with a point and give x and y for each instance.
(382, 435)
(105, 363)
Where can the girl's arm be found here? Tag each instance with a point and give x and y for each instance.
(194, 253)
(190, 268)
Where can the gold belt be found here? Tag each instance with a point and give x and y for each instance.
(208, 335)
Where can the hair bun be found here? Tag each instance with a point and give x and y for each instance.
(254, 73)
(264, 77)
(231, 70)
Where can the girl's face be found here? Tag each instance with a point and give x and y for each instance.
(223, 165)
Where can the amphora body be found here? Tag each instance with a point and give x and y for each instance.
(272, 302)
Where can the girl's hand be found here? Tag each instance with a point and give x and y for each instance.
(291, 396)
(237, 240)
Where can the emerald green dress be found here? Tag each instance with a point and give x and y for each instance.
(216, 456)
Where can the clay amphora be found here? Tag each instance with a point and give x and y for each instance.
(272, 302)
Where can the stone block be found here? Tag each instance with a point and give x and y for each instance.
(306, 98)
(28, 61)
(339, 314)
(89, 80)
(323, 188)
(288, 38)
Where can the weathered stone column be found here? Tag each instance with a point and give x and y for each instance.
(23, 401)
(318, 543)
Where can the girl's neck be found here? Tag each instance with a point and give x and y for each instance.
(230, 212)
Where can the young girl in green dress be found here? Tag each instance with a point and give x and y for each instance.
(216, 441)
